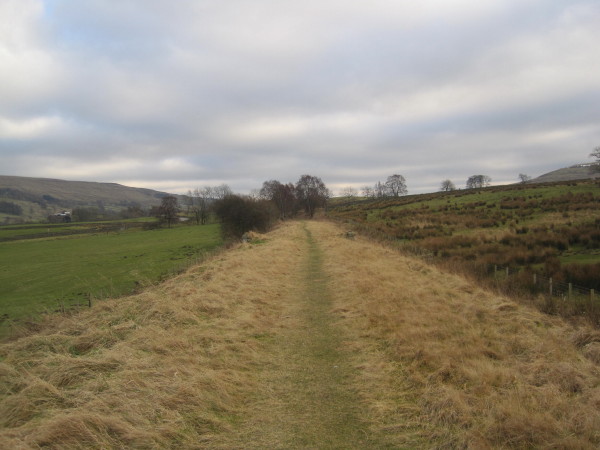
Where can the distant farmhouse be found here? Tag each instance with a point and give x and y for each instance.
(61, 217)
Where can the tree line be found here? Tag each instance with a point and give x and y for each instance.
(395, 186)
(239, 214)
(279, 201)
(276, 201)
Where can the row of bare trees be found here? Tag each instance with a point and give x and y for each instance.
(199, 201)
(473, 182)
(394, 186)
(275, 200)
(239, 213)
(308, 194)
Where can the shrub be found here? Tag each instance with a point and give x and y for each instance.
(241, 214)
(587, 275)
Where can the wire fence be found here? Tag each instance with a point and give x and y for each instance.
(550, 295)
(542, 284)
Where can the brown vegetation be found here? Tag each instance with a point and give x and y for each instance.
(550, 230)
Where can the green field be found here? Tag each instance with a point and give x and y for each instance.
(46, 274)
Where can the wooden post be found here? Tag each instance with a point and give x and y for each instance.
(550, 284)
(535, 279)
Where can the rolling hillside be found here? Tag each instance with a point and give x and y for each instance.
(576, 172)
(534, 232)
(36, 198)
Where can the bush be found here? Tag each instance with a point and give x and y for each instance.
(241, 214)
(587, 275)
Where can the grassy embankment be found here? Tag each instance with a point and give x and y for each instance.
(260, 346)
(552, 230)
(79, 262)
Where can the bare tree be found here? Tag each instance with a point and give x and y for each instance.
(447, 186)
(311, 193)
(221, 191)
(282, 195)
(478, 181)
(596, 154)
(349, 192)
(368, 191)
(189, 201)
(201, 202)
(524, 178)
(168, 209)
(395, 186)
(379, 189)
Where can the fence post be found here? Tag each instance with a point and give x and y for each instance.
(550, 284)
(535, 279)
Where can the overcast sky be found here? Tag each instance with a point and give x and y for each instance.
(174, 95)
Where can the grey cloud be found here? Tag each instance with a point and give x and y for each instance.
(240, 92)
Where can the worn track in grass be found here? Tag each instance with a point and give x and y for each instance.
(306, 394)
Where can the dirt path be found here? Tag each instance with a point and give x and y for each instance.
(306, 396)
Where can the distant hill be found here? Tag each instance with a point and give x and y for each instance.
(576, 172)
(36, 198)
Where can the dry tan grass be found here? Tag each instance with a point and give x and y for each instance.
(434, 360)
(170, 367)
(307, 396)
(484, 371)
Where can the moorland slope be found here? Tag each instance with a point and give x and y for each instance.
(576, 172)
(273, 343)
(531, 233)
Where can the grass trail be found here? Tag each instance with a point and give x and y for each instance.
(307, 388)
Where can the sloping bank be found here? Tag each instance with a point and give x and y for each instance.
(262, 345)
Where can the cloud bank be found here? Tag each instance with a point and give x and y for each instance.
(174, 96)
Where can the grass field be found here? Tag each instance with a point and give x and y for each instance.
(78, 262)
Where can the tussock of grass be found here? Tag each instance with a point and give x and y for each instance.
(482, 370)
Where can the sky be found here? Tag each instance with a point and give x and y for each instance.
(179, 95)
